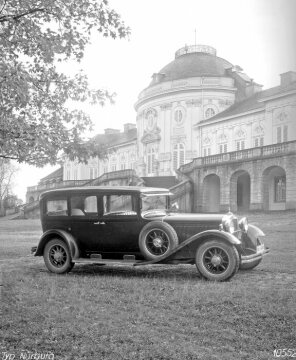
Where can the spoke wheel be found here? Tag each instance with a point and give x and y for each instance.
(157, 242)
(217, 260)
(157, 239)
(57, 256)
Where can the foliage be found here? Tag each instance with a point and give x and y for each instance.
(35, 36)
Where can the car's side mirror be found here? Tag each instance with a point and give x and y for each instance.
(174, 207)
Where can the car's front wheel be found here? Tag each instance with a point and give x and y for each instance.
(57, 257)
(216, 260)
(157, 239)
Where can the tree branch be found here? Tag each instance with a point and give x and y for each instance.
(17, 17)
(4, 4)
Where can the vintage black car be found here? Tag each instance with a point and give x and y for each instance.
(138, 225)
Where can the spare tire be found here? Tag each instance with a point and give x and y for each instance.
(157, 239)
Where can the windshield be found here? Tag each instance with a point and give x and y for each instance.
(154, 202)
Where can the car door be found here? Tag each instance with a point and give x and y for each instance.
(120, 222)
(85, 210)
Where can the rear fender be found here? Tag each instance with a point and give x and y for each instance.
(187, 248)
(65, 236)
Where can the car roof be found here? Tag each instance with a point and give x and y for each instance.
(103, 189)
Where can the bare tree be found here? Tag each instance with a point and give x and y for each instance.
(7, 172)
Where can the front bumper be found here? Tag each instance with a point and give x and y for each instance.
(249, 259)
(33, 250)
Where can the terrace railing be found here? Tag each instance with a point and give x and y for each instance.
(247, 154)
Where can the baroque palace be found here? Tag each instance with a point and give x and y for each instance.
(207, 131)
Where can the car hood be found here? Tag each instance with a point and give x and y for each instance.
(179, 217)
(171, 217)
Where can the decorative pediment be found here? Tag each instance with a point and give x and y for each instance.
(206, 140)
(222, 138)
(151, 136)
(240, 133)
(259, 130)
(149, 112)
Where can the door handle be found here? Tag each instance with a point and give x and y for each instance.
(99, 223)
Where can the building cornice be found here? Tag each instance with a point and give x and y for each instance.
(172, 92)
(226, 118)
(276, 96)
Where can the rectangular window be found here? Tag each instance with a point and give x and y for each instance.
(285, 136)
(58, 207)
(83, 205)
(279, 134)
(115, 205)
(240, 145)
(222, 148)
(258, 141)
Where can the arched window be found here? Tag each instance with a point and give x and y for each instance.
(178, 155)
(150, 161)
(209, 112)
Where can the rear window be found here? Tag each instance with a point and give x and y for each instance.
(57, 207)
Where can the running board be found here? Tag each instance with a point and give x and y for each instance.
(97, 259)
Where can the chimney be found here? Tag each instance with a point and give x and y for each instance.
(109, 131)
(252, 88)
(128, 126)
(287, 78)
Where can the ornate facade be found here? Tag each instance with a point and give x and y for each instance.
(204, 118)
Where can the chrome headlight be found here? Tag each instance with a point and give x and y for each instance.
(243, 224)
(228, 224)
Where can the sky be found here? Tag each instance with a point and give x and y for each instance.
(257, 35)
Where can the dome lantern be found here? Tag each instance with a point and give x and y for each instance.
(206, 49)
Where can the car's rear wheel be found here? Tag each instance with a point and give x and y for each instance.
(57, 257)
(157, 239)
(216, 260)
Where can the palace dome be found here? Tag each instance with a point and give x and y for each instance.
(193, 61)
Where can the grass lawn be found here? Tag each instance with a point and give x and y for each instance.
(154, 312)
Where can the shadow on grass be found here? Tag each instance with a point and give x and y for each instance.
(181, 272)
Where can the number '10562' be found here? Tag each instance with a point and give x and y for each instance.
(284, 353)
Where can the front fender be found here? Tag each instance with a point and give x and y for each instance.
(51, 234)
(187, 248)
(254, 233)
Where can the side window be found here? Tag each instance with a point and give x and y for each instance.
(119, 205)
(84, 205)
(57, 207)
